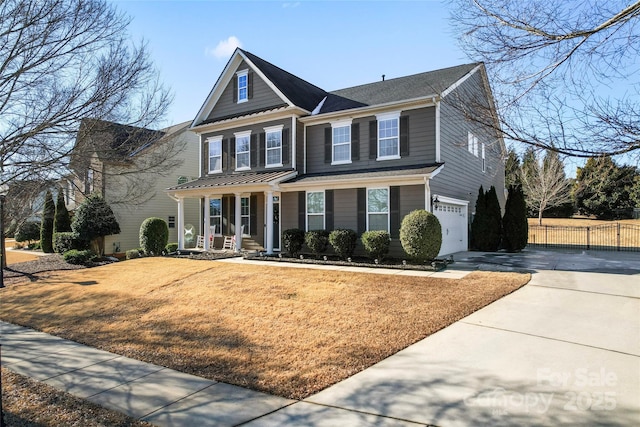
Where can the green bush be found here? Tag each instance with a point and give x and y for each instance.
(486, 228)
(65, 241)
(514, 223)
(376, 243)
(62, 220)
(154, 235)
(93, 220)
(77, 257)
(46, 226)
(27, 232)
(171, 248)
(317, 241)
(292, 241)
(343, 242)
(134, 253)
(421, 235)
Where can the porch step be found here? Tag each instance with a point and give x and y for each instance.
(249, 244)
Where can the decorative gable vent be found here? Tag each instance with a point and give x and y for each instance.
(182, 180)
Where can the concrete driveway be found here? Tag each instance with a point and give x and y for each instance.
(564, 349)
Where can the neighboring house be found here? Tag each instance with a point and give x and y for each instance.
(277, 152)
(130, 167)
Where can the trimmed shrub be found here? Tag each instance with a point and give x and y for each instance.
(93, 220)
(62, 220)
(65, 241)
(170, 248)
(292, 241)
(486, 228)
(134, 253)
(46, 226)
(421, 235)
(514, 223)
(376, 243)
(77, 257)
(317, 241)
(343, 242)
(154, 235)
(28, 231)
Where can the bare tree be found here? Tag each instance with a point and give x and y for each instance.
(557, 68)
(62, 61)
(544, 182)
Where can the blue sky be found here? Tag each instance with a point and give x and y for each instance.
(332, 44)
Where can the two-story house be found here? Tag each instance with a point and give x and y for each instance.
(130, 167)
(277, 152)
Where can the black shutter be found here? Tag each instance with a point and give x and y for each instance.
(355, 141)
(285, 146)
(362, 210)
(373, 139)
(328, 210)
(225, 154)
(250, 85)
(404, 135)
(394, 212)
(253, 150)
(263, 143)
(302, 210)
(328, 145)
(232, 154)
(235, 88)
(253, 215)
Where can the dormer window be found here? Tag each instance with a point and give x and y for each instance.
(243, 85)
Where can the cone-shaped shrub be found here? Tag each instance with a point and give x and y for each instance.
(46, 226)
(62, 220)
(514, 222)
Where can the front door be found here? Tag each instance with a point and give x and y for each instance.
(276, 223)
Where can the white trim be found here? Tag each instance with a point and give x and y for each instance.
(294, 129)
(394, 115)
(451, 88)
(334, 126)
(484, 161)
(388, 213)
(218, 232)
(200, 163)
(437, 131)
(306, 208)
(451, 200)
(248, 215)
(242, 73)
(243, 134)
(209, 141)
(267, 130)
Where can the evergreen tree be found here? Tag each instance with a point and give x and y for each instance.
(512, 169)
(46, 226)
(93, 220)
(514, 222)
(62, 220)
(478, 225)
(494, 221)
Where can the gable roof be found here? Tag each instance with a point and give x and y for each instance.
(402, 88)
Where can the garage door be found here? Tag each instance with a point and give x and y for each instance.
(453, 219)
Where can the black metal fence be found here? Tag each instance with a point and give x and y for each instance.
(606, 237)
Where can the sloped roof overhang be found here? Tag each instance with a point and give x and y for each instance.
(232, 183)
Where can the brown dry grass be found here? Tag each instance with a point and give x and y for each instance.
(28, 403)
(290, 332)
(14, 257)
(574, 231)
(579, 222)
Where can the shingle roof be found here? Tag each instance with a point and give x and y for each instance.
(402, 88)
(299, 91)
(369, 173)
(247, 178)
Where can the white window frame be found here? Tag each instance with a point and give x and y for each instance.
(210, 142)
(239, 75)
(267, 131)
(240, 135)
(385, 117)
(218, 229)
(324, 208)
(246, 232)
(339, 125)
(388, 213)
(90, 179)
(484, 163)
(472, 144)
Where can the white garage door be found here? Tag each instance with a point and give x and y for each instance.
(453, 219)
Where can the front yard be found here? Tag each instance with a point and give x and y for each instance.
(285, 331)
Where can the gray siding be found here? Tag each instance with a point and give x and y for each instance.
(289, 210)
(345, 209)
(421, 144)
(300, 147)
(462, 173)
(411, 198)
(263, 97)
(256, 129)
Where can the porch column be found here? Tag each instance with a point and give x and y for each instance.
(269, 248)
(427, 195)
(205, 223)
(180, 223)
(238, 223)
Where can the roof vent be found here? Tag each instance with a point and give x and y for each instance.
(383, 77)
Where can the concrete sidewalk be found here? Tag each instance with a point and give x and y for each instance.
(564, 349)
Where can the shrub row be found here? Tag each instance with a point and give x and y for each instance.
(343, 242)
